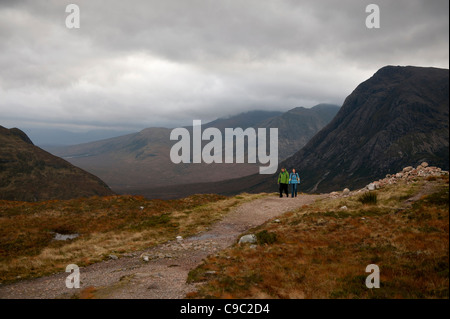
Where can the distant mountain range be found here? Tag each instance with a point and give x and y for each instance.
(141, 160)
(28, 173)
(50, 137)
(399, 117)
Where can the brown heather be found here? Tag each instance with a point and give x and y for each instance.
(322, 250)
(107, 225)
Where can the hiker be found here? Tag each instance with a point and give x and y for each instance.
(294, 180)
(283, 181)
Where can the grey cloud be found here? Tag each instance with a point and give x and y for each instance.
(140, 63)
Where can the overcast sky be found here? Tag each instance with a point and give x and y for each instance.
(139, 63)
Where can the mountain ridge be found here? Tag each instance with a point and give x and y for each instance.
(28, 173)
(142, 159)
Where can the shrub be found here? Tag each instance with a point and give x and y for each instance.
(264, 237)
(369, 198)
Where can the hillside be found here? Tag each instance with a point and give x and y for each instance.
(28, 173)
(321, 251)
(139, 161)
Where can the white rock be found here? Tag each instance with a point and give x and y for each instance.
(65, 237)
(344, 208)
(145, 258)
(407, 169)
(346, 191)
(179, 238)
(371, 187)
(277, 221)
(251, 239)
(333, 194)
(399, 175)
(113, 257)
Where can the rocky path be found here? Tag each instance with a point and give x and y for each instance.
(164, 275)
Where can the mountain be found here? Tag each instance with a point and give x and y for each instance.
(28, 173)
(399, 117)
(142, 160)
(244, 120)
(297, 126)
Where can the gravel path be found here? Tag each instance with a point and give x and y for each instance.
(164, 275)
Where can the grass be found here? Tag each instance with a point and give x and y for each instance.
(107, 225)
(321, 250)
(369, 198)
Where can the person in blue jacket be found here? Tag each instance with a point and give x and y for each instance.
(294, 180)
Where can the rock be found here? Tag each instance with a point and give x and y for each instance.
(399, 175)
(141, 207)
(321, 222)
(424, 164)
(114, 257)
(346, 191)
(253, 246)
(334, 194)
(65, 237)
(344, 208)
(251, 239)
(371, 187)
(145, 258)
(210, 272)
(277, 221)
(179, 238)
(408, 169)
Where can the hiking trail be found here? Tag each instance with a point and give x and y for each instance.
(164, 275)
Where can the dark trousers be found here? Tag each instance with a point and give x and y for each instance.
(294, 189)
(284, 188)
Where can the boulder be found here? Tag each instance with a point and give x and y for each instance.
(250, 239)
(407, 169)
(334, 194)
(424, 164)
(371, 187)
(346, 191)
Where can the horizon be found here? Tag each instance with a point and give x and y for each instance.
(45, 136)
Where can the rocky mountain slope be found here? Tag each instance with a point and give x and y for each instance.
(28, 173)
(397, 117)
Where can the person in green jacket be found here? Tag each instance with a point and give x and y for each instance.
(283, 181)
